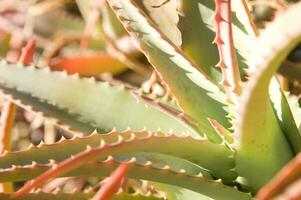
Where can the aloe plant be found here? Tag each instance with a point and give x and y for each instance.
(230, 131)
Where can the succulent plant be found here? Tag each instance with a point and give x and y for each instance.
(226, 133)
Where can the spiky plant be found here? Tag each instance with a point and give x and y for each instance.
(228, 134)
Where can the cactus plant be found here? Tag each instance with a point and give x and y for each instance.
(227, 132)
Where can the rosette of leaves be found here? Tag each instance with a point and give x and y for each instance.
(228, 134)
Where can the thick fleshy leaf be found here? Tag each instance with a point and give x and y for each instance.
(285, 116)
(159, 161)
(60, 117)
(197, 95)
(97, 104)
(262, 146)
(295, 106)
(198, 32)
(143, 170)
(165, 14)
(92, 65)
(214, 157)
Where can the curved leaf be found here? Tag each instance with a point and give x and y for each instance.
(146, 171)
(214, 157)
(285, 116)
(197, 95)
(165, 15)
(262, 146)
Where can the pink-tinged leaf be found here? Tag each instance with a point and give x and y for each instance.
(107, 191)
(92, 65)
(28, 51)
(225, 44)
(65, 166)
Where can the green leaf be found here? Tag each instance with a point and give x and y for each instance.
(165, 15)
(157, 161)
(60, 117)
(285, 116)
(214, 157)
(197, 95)
(162, 160)
(262, 146)
(141, 170)
(198, 32)
(295, 107)
(96, 104)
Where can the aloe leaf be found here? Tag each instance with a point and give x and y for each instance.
(59, 195)
(59, 117)
(198, 32)
(262, 146)
(295, 107)
(285, 116)
(98, 104)
(144, 170)
(159, 161)
(162, 160)
(214, 157)
(197, 95)
(165, 14)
